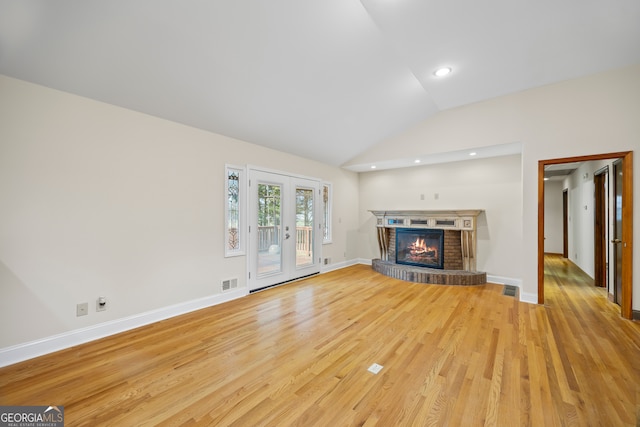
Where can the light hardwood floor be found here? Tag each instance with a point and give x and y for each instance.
(298, 355)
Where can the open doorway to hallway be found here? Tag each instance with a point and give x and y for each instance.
(575, 224)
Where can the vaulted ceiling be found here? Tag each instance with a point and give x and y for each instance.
(323, 79)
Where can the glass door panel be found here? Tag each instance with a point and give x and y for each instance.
(269, 229)
(304, 226)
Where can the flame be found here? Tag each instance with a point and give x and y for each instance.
(420, 247)
(419, 244)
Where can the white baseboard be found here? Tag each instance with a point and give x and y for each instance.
(504, 280)
(29, 350)
(344, 264)
(529, 298)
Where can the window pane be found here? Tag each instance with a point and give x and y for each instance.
(304, 227)
(269, 229)
(326, 203)
(233, 210)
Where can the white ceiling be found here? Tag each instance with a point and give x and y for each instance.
(324, 79)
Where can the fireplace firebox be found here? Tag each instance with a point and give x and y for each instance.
(420, 247)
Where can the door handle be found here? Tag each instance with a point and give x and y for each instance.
(616, 241)
(286, 236)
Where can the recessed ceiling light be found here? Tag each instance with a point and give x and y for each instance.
(441, 72)
(373, 166)
(473, 153)
(416, 161)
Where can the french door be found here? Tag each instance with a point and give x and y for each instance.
(617, 240)
(284, 228)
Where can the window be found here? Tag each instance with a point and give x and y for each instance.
(326, 217)
(234, 211)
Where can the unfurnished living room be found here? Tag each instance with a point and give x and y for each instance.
(319, 213)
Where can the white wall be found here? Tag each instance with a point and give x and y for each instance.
(492, 185)
(581, 218)
(592, 115)
(553, 233)
(99, 200)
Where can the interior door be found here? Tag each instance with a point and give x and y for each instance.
(284, 228)
(565, 223)
(617, 232)
(600, 228)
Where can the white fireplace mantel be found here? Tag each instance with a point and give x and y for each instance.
(442, 219)
(463, 220)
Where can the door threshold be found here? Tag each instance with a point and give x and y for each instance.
(282, 283)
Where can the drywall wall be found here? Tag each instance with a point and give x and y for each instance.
(98, 200)
(587, 116)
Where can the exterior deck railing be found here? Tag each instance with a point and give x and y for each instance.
(271, 235)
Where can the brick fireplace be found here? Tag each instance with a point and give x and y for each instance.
(452, 251)
(458, 230)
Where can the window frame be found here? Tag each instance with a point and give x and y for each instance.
(242, 197)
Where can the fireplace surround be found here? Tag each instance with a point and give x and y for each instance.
(447, 256)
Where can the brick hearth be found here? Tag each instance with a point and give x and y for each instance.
(429, 275)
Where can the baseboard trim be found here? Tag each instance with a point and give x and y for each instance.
(29, 350)
(528, 298)
(504, 280)
(337, 266)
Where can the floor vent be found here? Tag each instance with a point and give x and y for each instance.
(229, 284)
(510, 290)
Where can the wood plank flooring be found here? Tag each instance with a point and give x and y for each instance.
(298, 355)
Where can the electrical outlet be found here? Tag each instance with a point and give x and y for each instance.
(101, 304)
(82, 309)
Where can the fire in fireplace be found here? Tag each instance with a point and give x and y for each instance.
(420, 247)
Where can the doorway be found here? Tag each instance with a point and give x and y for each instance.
(284, 240)
(626, 224)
